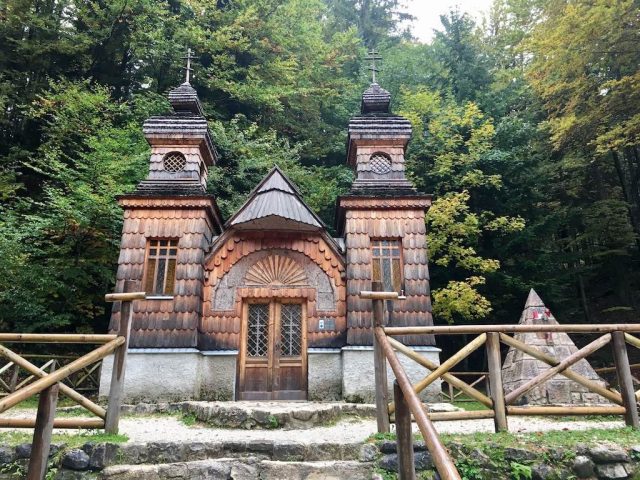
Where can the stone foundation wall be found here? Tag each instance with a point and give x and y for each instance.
(157, 375)
(170, 375)
(358, 377)
(324, 374)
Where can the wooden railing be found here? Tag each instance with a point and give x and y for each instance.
(13, 377)
(453, 394)
(406, 401)
(49, 384)
(623, 401)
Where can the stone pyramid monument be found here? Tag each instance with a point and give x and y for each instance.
(519, 367)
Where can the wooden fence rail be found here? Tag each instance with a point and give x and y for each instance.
(14, 376)
(47, 382)
(499, 404)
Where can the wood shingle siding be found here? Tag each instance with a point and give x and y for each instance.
(192, 221)
(387, 218)
(220, 329)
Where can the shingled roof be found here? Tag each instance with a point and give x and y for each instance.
(275, 204)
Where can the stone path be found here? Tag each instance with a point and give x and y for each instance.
(347, 431)
(350, 429)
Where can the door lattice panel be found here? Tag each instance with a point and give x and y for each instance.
(258, 330)
(291, 330)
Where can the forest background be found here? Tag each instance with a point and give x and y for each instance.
(526, 130)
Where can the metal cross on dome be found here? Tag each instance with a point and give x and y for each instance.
(373, 56)
(188, 58)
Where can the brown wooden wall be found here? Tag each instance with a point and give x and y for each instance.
(165, 323)
(367, 219)
(220, 329)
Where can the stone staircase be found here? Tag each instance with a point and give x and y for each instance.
(248, 468)
(225, 460)
(251, 460)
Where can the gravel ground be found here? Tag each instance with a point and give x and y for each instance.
(146, 430)
(167, 428)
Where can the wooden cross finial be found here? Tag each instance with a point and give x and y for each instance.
(188, 58)
(373, 56)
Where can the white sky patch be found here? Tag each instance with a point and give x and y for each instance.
(427, 13)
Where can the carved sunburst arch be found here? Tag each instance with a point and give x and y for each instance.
(276, 270)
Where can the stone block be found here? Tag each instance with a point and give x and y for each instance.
(75, 459)
(7, 455)
(519, 454)
(542, 472)
(368, 452)
(611, 471)
(101, 454)
(316, 470)
(289, 451)
(23, 450)
(558, 392)
(608, 454)
(583, 467)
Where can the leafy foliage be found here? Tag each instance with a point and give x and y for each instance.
(526, 130)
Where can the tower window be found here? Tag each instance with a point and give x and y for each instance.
(174, 162)
(380, 163)
(160, 271)
(387, 265)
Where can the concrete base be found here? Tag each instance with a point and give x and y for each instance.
(358, 377)
(164, 375)
(324, 374)
(169, 375)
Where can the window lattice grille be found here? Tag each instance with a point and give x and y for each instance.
(161, 266)
(386, 263)
(258, 330)
(380, 163)
(174, 162)
(291, 330)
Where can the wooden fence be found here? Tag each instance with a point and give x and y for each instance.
(623, 401)
(48, 384)
(86, 380)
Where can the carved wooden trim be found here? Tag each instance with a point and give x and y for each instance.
(276, 270)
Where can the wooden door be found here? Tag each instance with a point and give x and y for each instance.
(273, 354)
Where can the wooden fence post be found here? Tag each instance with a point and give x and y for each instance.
(380, 365)
(116, 390)
(14, 378)
(495, 382)
(625, 380)
(404, 436)
(41, 443)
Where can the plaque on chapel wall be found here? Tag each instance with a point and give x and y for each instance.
(327, 324)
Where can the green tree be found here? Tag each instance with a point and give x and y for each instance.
(447, 157)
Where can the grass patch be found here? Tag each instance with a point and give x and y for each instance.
(32, 403)
(559, 438)
(470, 405)
(624, 437)
(72, 439)
(189, 419)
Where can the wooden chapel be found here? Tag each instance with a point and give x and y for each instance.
(264, 305)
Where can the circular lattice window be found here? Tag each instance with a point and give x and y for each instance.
(380, 163)
(174, 162)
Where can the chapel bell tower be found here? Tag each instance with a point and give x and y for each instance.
(169, 224)
(382, 219)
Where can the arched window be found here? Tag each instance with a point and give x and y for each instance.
(174, 162)
(380, 163)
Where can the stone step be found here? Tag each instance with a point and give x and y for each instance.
(171, 452)
(259, 415)
(248, 468)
